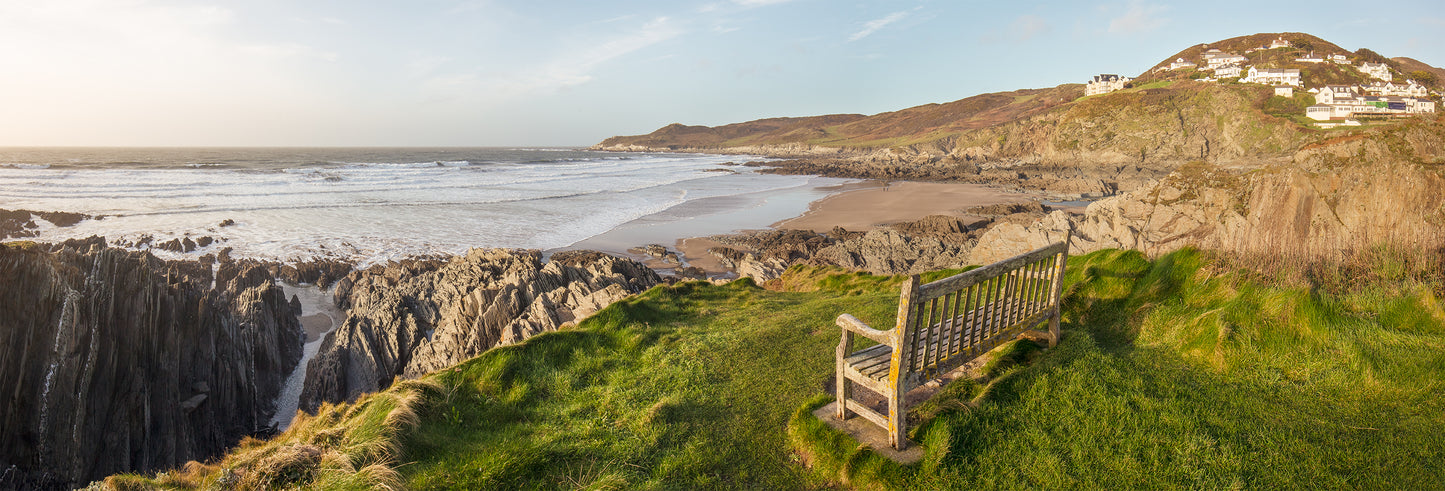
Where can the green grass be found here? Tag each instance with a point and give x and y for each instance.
(1171, 373)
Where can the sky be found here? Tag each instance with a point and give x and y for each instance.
(571, 73)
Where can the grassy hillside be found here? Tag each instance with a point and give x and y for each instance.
(969, 126)
(1176, 372)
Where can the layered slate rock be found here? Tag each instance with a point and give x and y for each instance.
(927, 244)
(417, 316)
(114, 360)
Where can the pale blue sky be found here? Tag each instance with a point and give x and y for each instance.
(541, 73)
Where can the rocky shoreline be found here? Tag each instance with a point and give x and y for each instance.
(117, 361)
(408, 318)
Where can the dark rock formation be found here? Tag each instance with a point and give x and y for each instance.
(113, 360)
(658, 251)
(930, 243)
(1006, 209)
(321, 272)
(417, 316)
(21, 223)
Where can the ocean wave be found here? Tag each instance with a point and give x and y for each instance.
(26, 166)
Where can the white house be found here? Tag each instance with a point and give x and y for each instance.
(1310, 58)
(1273, 76)
(1284, 91)
(1279, 43)
(1340, 59)
(1409, 89)
(1105, 83)
(1376, 70)
(1181, 63)
(1319, 112)
(1228, 71)
(1215, 58)
(1336, 94)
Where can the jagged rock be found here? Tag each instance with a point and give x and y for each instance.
(227, 222)
(885, 251)
(173, 245)
(321, 272)
(691, 273)
(1009, 239)
(21, 223)
(102, 350)
(660, 252)
(415, 317)
(1002, 209)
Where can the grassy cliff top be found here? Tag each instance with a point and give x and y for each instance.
(1174, 372)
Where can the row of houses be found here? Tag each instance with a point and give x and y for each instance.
(1230, 65)
(1313, 58)
(1344, 101)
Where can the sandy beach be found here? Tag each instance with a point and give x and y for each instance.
(897, 201)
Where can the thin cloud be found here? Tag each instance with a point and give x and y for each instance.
(874, 25)
(568, 70)
(1140, 17)
(1027, 26)
(759, 3)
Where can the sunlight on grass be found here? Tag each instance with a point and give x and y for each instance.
(1172, 372)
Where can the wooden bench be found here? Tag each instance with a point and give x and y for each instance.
(944, 324)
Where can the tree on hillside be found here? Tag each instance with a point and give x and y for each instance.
(1366, 54)
(1424, 77)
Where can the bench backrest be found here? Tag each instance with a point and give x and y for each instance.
(945, 323)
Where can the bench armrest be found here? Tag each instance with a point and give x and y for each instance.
(848, 322)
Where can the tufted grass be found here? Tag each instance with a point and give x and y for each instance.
(1177, 372)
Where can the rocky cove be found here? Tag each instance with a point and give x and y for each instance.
(122, 362)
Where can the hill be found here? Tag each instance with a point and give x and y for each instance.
(1174, 372)
(1105, 143)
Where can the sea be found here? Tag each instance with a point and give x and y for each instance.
(371, 205)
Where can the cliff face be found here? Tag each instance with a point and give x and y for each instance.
(415, 317)
(1346, 194)
(113, 361)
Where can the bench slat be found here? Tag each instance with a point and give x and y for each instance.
(868, 352)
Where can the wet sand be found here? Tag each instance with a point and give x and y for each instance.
(864, 209)
(856, 206)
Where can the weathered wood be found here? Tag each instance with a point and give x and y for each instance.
(961, 280)
(943, 325)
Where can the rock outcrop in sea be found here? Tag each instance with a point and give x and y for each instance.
(416, 316)
(113, 360)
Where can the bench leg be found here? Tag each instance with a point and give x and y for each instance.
(843, 390)
(897, 421)
(1054, 328)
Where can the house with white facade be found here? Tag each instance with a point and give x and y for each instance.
(1340, 59)
(1228, 71)
(1105, 83)
(1279, 43)
(1410, 88)
(1215, 58)
(1336, 94)
(1284, 91)
(1179, 63)
(1319, 112)
(1273, 76)
(1376, 70)
(1343, 101)
(1310, 58)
